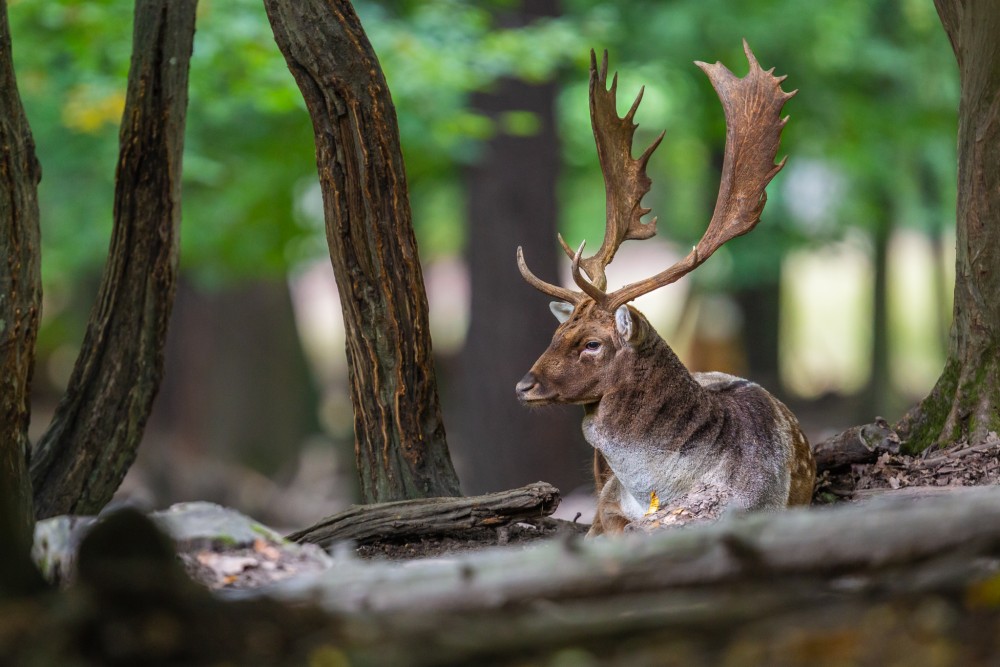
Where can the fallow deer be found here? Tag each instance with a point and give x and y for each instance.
(659, 431)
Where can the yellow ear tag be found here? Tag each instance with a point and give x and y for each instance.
(654, 503)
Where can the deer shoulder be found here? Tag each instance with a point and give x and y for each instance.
(661, 431)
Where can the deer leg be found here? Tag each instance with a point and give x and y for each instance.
(610, 519)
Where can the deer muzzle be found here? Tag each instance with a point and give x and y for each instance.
(530, 390)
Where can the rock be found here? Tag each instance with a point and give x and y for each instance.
(218, 546)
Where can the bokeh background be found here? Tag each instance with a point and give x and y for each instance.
(839, 302)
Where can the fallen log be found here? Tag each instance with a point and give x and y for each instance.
(431, 516)
(889, 582)
(859, 444)
(806, 544)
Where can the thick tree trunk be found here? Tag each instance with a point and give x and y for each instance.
(80, 461)
(511, 202)
(20, 287)
(965, 403)
(400, 442)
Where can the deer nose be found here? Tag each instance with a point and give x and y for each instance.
(527, 383)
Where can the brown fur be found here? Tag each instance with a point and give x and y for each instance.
(657, 427)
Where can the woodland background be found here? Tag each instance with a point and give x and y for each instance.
(840, 301)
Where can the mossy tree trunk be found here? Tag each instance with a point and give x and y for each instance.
(965, 403)
(20, 288)
(86, 451)
(400, 441)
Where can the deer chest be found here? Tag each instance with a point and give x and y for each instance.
(644, 466)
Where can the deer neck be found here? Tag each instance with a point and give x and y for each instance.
(642, 426)
(657, 396)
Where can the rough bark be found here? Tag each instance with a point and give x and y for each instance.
(83, 456)
(965, 402)
(432, 516)
(20, 288)
(400, 443)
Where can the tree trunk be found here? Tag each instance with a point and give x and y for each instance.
(237, 384)
(20, 288)
(512, 201)
(760, 304)
(83, 456)
(965, 402)
(877, 393)
(400, 442)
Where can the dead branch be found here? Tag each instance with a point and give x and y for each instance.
(432, 516)
(859, 444)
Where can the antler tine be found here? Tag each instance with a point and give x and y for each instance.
(547, 288)
(625, 178)
(752, 107)
(591, 290)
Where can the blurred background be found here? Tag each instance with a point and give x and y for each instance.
(839, 302)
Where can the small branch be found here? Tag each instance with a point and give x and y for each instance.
(432, 516)
(949, 455)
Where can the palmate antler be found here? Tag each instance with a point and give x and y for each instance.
(752, 106)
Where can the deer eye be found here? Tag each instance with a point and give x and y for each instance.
(593, 345)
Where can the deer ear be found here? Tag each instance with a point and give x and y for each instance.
(561, 310)
(623, 323)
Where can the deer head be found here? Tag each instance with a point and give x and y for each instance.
(600, 337)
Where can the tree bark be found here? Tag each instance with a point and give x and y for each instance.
(432, 516)
(965, 402)
(20, 289)
(86, 451)
(400, 443)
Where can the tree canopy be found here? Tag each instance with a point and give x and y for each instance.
(874, 120)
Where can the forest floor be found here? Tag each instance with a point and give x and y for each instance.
(933, 473)
(936, 472)
(930, 473)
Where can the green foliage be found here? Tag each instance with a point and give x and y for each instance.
(875, 113)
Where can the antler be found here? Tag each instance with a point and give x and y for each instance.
(625, 179)
(547, 288)
(753, 131)
(625, 184)
(752, 106)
